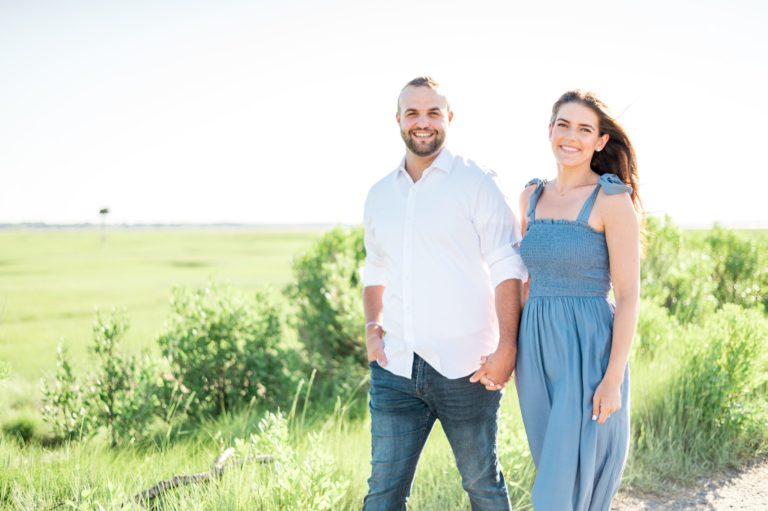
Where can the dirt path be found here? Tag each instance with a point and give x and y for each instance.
(745, 489)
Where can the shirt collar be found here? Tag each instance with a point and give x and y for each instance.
(443, 162)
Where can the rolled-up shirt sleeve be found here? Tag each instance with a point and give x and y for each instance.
(374, 272)
(499, 232)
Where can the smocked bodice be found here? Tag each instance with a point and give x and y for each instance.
(568, 257)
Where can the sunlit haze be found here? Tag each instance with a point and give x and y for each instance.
(283, 111)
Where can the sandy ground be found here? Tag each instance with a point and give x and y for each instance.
(744, 489)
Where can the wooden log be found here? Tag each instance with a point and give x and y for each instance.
(219, 464)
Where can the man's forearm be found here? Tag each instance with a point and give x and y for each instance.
(508, 311)
(498, 366)
(373, 304)
(374, 312)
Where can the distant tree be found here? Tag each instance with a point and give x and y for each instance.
(104, 212)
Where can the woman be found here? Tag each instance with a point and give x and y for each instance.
(581, 234)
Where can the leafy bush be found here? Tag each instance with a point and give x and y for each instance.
(120, 396)
(308, 481)
(692, 275)
(721, 369)
(676, 275)
(125, 387)
(655, 327)
(227, 349)
(712, 409)
(24, 428)
(327, 294)
(65, 402)
(740, 268)
(663, 246)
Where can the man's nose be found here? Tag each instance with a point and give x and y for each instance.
(422, 121)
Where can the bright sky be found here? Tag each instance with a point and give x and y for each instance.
(283, 111)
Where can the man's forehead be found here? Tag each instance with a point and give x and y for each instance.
(422, 98)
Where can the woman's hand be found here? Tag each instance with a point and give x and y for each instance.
(606, 401)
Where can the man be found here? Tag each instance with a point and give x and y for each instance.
(440, 242)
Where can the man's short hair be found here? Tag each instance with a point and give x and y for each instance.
(421, 81)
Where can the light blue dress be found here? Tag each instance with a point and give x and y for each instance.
(563, 351)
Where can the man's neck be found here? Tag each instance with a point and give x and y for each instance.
(415, 165)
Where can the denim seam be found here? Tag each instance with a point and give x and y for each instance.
(423, 440)
(420, 374)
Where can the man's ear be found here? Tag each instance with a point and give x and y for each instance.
(397, 117)
(450, 116)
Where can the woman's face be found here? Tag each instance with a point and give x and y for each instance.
(575, 135)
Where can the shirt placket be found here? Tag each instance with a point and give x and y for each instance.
(408, 257)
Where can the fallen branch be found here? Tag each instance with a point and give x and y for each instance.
(219, 464)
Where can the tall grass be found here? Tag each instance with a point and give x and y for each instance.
(704, 400)
(699, 394)
(321, 462)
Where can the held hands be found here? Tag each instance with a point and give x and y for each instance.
(496, 370)
(374, 343)
(606, 401)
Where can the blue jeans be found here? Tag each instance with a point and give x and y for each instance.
(403, 412)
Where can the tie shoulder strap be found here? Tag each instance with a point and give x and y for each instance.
(530, 213)
(611, 185)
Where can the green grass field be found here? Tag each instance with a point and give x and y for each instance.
(689, 417)
(51, 281)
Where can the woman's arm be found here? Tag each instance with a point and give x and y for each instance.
(622, 235)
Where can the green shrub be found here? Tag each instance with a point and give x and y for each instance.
(327, 294)
(692, 275)
(309, 480)
(120, 396)
(721, 373)
(227, 349)
(740, 268)
(655, 328)
(662, 249)
(675, 274)
(124, 389)
(713, 409)
(65, 402)
(23, 428)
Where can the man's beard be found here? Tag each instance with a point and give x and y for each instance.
(423, 150)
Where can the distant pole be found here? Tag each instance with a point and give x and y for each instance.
(103, 212)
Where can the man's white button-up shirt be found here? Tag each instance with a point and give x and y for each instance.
(440, 246)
